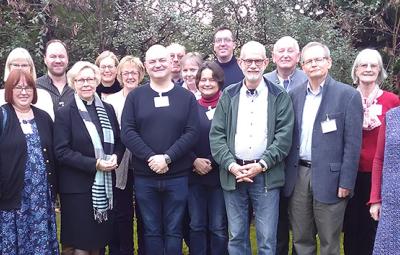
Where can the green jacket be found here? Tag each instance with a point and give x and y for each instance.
(280, 122)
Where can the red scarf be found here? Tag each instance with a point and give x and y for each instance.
(211, 101)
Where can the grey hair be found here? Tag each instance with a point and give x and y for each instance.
(366, 55)
(314, 44)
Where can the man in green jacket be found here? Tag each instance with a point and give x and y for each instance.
(250, 136)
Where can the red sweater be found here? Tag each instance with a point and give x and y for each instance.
(388, 100)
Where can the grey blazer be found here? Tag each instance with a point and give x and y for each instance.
(296, 79)
(334, 155)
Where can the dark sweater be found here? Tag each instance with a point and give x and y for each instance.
(108, 90)
(232, 72)
(202, 150)
(13, 156)
(148, 130)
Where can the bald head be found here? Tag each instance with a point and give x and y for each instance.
(158, 64)
(253, 47)
(156, 51)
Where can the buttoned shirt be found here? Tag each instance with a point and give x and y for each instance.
(310, 110)
(251, 129)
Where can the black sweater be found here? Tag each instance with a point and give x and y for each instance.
(148, 130)
(202, 150)
(13, 156)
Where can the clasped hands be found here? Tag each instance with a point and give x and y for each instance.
(158, 164)
(107, 165)
(245, 173)
(202, 166)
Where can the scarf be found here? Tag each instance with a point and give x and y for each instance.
(211, 101)
(102, 195)
(371, 120)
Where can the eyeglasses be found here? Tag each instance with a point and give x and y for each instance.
(317, 61)
(249, 62)
(127, 74)
(20, 66)
(87, 80)
(20, 89)
(366, 65)
(109, 67)
(223, 40)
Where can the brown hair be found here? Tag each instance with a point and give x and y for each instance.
(13, 78)
(217, 73)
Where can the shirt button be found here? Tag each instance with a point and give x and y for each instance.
(44, 149)
(47, 161)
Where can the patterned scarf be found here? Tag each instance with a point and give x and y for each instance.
(371, 120)
(102, 195)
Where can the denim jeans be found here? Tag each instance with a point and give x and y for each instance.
(162, 205)
(207, 220)
(266, 207)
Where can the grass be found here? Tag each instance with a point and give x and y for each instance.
(186, 250)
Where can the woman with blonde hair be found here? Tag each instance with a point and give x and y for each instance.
(19, 58)
(88, 149)
(130, 73)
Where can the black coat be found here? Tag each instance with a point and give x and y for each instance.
(74, 149)
(13, 155)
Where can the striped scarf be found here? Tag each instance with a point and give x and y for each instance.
(102, 195)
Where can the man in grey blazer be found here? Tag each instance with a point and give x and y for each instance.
(321, 167)
(286, 56)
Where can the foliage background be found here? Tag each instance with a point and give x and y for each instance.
(132, 26)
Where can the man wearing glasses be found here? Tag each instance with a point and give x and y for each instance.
(250, 136)
(322, 164)
(224, 45)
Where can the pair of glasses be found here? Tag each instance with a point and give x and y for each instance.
(317, 61)
(249, 62)
(20, 89)
(87, 80)
(109, 67)
(366, 65)
(222, 40)
(127, 74)
(20, 66)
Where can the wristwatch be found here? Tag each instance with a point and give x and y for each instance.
(167, 159)
(263, 166)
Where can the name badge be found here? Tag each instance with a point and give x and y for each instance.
(376, 109)
(26, 127)
(161, 101)
(210, 113)
(328, 125)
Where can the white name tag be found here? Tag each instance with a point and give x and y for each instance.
(26, 128)
(328, 126)
(161, 101)
(376, 109)
(210, 114)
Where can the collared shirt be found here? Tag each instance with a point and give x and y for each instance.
(197, 94)
(295, 79)
(59, 100)
(251, 129)
(310, 110)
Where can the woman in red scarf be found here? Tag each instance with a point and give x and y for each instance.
(208, 224)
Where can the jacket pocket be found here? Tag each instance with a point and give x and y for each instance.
(335, 167)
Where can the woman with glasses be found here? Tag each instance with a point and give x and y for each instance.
(130, 73)
(19, 58)
(27, 177)
(88, 149)
(190, 64)
(368, 74)
(107, 62)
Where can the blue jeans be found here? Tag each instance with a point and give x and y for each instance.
(162, 205)
(266, 207)
(207, 220)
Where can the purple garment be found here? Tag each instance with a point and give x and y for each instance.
(388, 235)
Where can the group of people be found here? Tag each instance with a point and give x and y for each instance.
(197, 151)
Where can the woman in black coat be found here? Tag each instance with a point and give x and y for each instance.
(87, 147)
